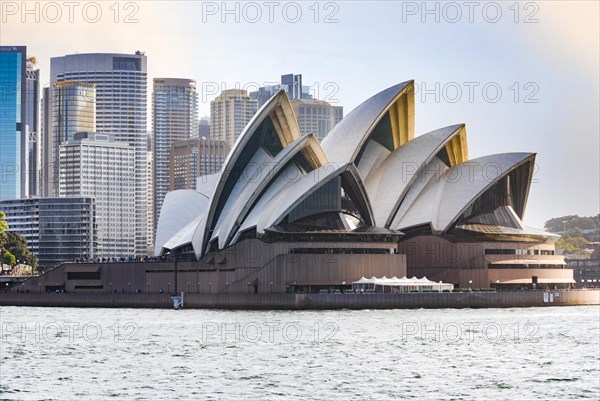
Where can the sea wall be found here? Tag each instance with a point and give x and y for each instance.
(308, 301)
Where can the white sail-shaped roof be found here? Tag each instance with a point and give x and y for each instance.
(343, 143)
(444, 200)
(402, 167)
(255, 181)
(294, 193)
(249, 148)
(179, 209)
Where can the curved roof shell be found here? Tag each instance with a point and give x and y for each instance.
(252, 185)
(250, 147)
(179, 209)
(346, 140)
(292, 195)
(402, 167)
(448, 196)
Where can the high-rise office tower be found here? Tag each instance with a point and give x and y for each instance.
(46, 163)
(264, 93)
(95, 165)
(121, 108)
(204, 127)
(13, 117)
(290, 83)
(293, 83)
(73, 110)
(229, 114)
(316, 116)
(195, 157)
(32, 120)
(150, 201)
(174, 117)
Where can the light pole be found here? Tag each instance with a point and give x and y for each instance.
(210, 287)
(175, 254)
(470, 282)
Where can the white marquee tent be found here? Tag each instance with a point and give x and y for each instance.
(396, 284)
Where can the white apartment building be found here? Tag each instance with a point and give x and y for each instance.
(95, 165)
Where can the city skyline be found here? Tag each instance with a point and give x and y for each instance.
(252, 199)
(553, 69)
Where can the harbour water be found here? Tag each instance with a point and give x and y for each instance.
(520, 353)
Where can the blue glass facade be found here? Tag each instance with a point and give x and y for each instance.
(12, 117)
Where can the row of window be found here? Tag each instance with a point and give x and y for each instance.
(332, 251)
(525, 266)
(530, 252)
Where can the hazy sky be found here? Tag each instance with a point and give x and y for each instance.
(523, 78)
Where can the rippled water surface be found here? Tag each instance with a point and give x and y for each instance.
(528, 353)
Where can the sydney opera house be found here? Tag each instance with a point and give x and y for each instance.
(289, 214)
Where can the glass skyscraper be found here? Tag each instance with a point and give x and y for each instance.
(290, 83)
(73, 110)
(121, 109)
(13, 130)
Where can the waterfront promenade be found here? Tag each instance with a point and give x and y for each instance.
(308, 301)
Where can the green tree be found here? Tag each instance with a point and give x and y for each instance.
(565, 223)
(3, 228)
(573, 238)
(17, 245)
(571, 244)
(8, 258)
